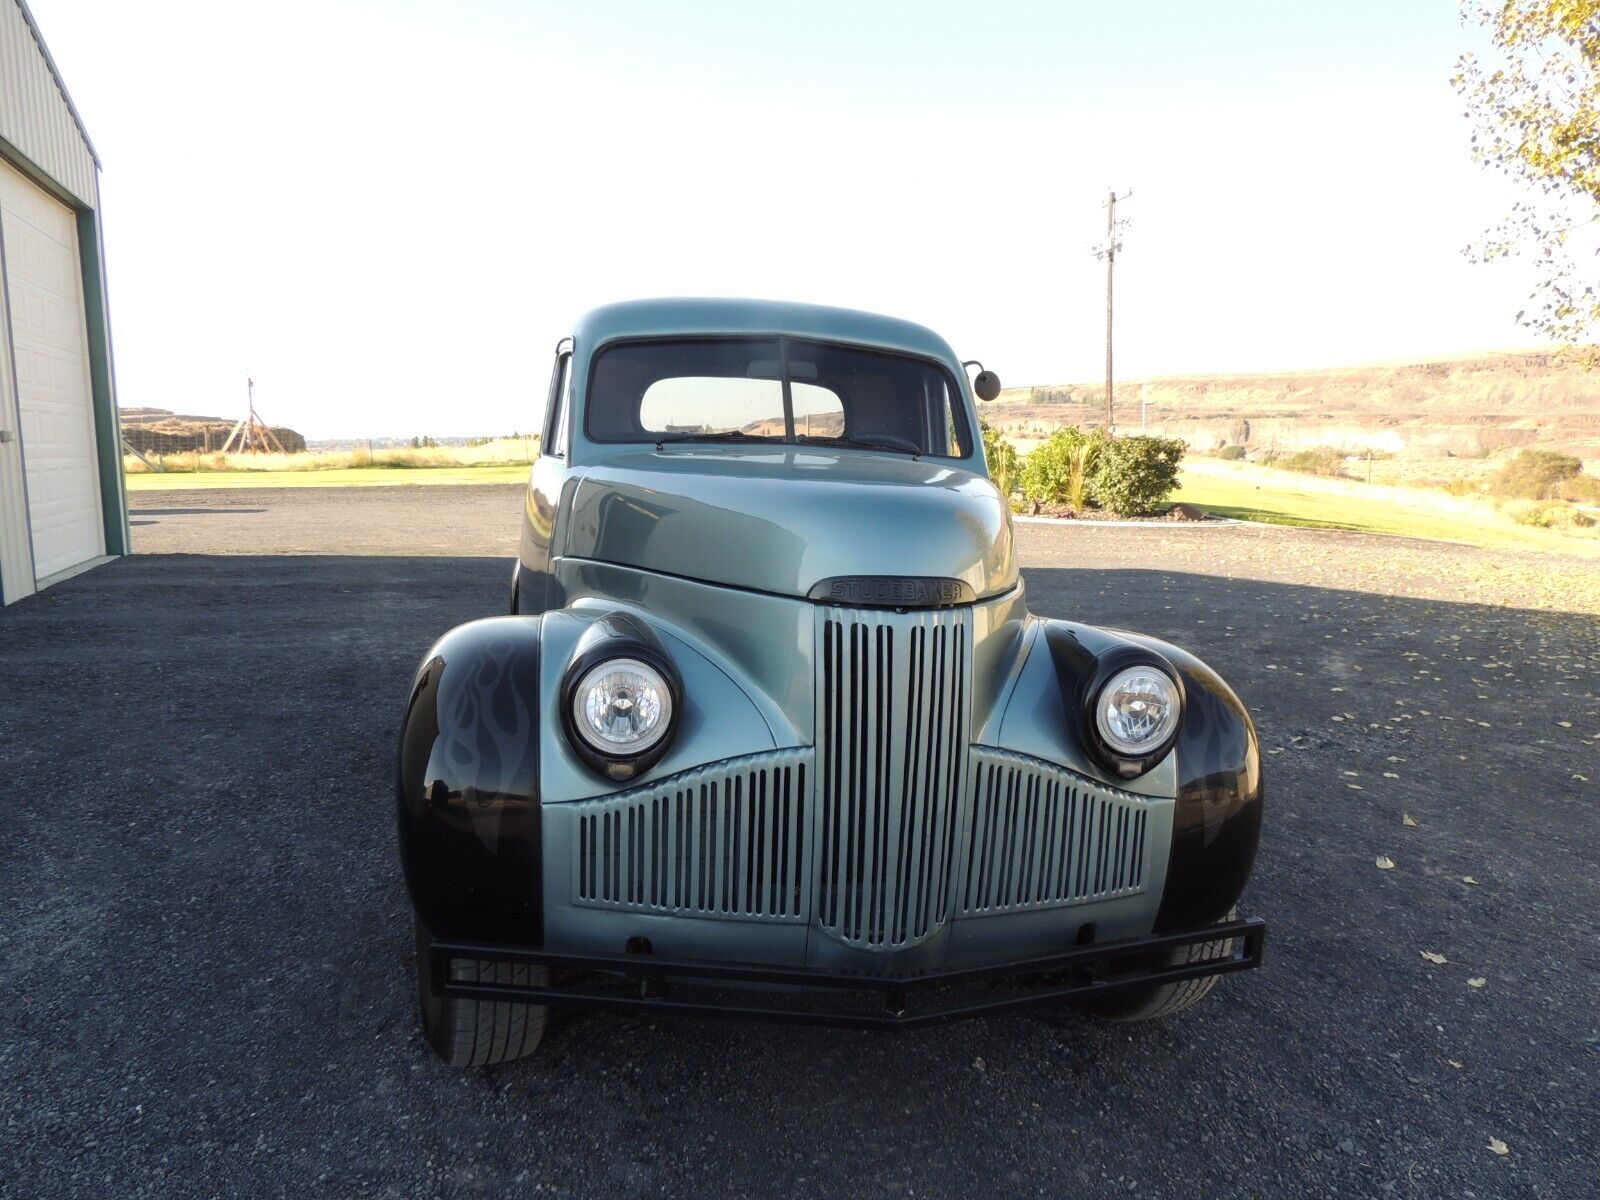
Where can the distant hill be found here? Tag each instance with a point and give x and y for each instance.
(1471, 407)
(162, 431)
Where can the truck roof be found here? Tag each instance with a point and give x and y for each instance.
(696, 315)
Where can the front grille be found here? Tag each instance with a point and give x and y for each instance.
(1040, 836)
(889, 828)
(892, 732)
(728, 840)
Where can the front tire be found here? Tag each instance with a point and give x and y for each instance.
(478, 1033)
(1166, 999)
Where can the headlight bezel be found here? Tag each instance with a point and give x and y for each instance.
(616, 641)
(1171, 717)
(1108, 666)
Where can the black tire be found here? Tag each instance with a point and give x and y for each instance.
(1166, 999)
(478, 1033)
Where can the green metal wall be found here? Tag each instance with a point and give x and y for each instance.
(102, 383)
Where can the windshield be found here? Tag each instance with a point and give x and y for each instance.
(775, 390)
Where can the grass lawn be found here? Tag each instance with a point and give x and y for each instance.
(1276, 498)
(334, 477)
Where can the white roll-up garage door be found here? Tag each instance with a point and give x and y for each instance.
(50, 355)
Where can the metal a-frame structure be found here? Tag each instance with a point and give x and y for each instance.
(254, 436)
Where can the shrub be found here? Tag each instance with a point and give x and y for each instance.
(1059, 470)
(1581, 487)
(1135, 475)
(1081, 462)
(1002, 458)
(1231, 453)
(1320, 460)
(1535, 475)
(1548, 514)
(1044, 472)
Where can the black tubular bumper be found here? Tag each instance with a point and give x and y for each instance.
(796, 994)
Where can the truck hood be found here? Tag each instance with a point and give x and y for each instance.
(782, 520)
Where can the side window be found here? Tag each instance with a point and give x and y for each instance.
(557, 416)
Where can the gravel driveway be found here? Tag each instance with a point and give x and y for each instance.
(204, 949)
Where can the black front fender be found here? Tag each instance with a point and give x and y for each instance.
(468, 784)
(1216, 824)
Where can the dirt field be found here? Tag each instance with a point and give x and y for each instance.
(206, 946)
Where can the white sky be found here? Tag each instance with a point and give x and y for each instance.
(388, 213)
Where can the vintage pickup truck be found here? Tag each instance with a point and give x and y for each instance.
(769, 730)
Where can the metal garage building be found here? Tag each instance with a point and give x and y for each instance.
(62, 506)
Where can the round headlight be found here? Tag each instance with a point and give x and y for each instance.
(622, 707)
(1137, 710)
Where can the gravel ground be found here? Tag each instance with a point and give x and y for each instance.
(205, 947)
(476, 519)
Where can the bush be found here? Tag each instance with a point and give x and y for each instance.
(1134, 476)
(1059, 470)
(1044, 472)
(1548, 514)
(1535, 475)
(1002, 458)
(1321, 460)
(1581, 487)
(1231, 453)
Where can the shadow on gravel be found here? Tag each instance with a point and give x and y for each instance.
(138, 516)
(205, 948)
(218, 510)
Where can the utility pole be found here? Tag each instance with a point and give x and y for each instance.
(1109, 253)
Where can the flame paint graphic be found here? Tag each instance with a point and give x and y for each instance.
(487, 733)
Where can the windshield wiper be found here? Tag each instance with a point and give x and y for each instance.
(726, 435)
(881, 442)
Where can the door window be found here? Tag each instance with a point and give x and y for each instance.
(558, 409)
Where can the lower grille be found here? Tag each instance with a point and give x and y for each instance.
(892, 733)
(728, 840)
(1040, 836)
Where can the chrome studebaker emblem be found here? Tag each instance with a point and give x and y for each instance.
(892, 591)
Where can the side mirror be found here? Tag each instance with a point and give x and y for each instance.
(985, 384)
